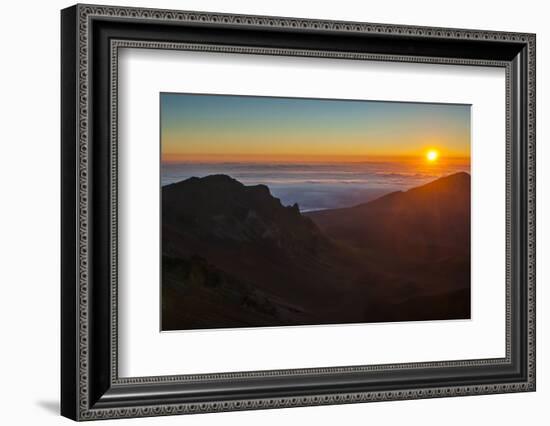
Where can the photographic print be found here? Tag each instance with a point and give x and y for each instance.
(298, 211)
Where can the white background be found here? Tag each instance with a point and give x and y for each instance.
(146, 352)
(29, 225)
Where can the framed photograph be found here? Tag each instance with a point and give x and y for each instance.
(263, 212)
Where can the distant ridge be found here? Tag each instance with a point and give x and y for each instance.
(454, 182)
(424, 219)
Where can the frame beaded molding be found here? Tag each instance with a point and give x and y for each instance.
(86, 13)
(116, 45)
(288, 402)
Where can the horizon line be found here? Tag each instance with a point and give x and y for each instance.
(298, 159)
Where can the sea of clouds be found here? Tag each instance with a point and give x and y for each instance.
(317, 186)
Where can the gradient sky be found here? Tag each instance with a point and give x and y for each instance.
(199, 128)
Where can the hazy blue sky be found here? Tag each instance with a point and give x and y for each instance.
(238, 128)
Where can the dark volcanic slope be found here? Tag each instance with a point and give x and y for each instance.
(218, 207)
(432, 220)
(234, 256)
(243, 258)
(419, 241)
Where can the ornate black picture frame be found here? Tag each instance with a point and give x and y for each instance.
(90, 38)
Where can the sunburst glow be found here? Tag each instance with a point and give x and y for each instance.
(432, 155)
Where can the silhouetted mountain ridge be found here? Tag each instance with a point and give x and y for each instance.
(431, 219)
(234, 256)
(220, 207)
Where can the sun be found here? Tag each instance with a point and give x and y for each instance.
(432, 155)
